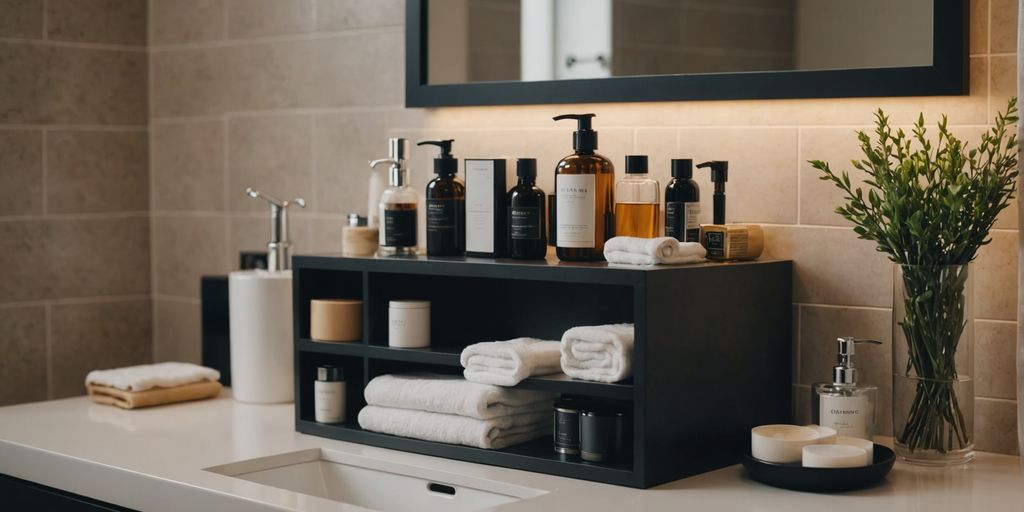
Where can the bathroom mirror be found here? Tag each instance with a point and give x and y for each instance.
(492, 52)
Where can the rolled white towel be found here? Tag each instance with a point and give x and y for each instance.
(448, 394)
(147, 376)
(491, 434)
(602, 353)
(507, 363)
(652, 251)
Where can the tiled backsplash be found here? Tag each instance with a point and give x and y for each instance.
(74, 194)
(295, 96)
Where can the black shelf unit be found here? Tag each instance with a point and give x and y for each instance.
(712, 356)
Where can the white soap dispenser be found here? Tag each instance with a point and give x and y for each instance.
(843, 404)
(260, 304)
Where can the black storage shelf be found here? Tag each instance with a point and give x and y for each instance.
(712, 354)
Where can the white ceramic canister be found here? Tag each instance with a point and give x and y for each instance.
(329, 395)
(409, 323)
(261, 336)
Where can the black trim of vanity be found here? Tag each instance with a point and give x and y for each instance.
(948, 75)
(18, 494)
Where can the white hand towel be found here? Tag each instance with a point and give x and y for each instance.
(507, 363)
(147, 376)
(492, 434)
(453, 395)
(602, 353)
(652, 251)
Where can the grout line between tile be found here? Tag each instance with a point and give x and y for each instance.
(841, 306)
(76, 127)
(996, 399)
(143, 214)
(48, 316)
(226, 155)
(45, 163)
(177, 298)
(799, 192)
(283, 38)
(97, 299)
(55, 43)
(994, 320)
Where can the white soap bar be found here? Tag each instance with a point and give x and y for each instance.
(780, 443)
(826, 435)
(863, 444)
(832, 456)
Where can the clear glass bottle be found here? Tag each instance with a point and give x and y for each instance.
(398, 205)
(843, 404)
(637, 201)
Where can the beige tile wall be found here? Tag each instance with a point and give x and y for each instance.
(295, 96)
(74, 194)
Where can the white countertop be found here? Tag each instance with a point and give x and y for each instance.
(153, 459)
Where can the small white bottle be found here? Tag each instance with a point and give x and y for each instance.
(329, 395)
(842, 404)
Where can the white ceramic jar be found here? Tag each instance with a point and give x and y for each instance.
(409, 323)
(329, 395)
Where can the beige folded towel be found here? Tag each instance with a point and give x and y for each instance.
(153, 396)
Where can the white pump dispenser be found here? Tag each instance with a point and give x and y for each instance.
(260, 305)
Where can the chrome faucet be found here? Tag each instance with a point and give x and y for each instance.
(279, 249)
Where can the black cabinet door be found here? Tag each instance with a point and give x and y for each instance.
(18, 495)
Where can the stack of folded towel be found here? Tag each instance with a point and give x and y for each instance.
(145, 385)
(507, 363)
(602, 353)
(450, 409)
(652, 251)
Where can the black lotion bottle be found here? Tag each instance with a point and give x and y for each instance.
(682, 203)
(526, 214)
(446, 205)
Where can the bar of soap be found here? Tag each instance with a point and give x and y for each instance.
(833, 456)
(864, 444)
(780, 443)
(826, 435)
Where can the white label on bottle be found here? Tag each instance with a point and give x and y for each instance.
(479, 206)
(575, 210)
(848, 415)
(692, 217)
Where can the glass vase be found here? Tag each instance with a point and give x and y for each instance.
(932, 360)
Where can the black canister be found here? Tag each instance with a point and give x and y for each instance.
(567, 427)
(603, 436)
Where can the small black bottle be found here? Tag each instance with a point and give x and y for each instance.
(682, 203)
(446, 205)
(527, 240)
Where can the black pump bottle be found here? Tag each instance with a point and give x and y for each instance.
(719, 175)
(446, 205)
(682, 203)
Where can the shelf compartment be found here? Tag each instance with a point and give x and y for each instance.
(536, 455)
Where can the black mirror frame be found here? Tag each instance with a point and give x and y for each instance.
(948, 75)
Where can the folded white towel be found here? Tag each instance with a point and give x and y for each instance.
(507, 363)
(494, 433)
(453, 395)
(147, 376)
(652, 251)
(602, 353)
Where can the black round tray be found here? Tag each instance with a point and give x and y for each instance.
(799, 478)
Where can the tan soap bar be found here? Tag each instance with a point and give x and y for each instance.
(336, 319)
(732, 241)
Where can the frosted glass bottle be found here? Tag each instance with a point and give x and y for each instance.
(637, 201)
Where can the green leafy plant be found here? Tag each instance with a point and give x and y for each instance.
(929, 205)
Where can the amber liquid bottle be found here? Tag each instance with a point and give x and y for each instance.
(585, 197)
(637, 204)
(446, 205)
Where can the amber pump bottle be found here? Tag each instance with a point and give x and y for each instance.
(526, 213)
(446, 204)
(584, 197)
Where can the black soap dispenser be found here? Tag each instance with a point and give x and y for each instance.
(728, 241)
(526, 214)
(446, 204)
(584, 196)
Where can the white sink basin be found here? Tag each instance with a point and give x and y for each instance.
(374, 484)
